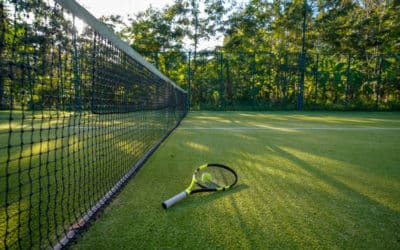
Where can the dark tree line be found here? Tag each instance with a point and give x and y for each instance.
(281, 54)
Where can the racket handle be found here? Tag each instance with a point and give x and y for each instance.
(171, 201)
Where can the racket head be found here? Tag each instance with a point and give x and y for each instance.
(214, 177)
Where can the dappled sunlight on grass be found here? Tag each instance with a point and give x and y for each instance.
(379, 188)
(58, 120)
(197, 146)
(15, 219)
(56, 165)
(297, 188)
(274, 211)
(291, 121)
(273, 127)
(310, 202)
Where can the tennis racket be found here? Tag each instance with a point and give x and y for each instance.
(208, 178)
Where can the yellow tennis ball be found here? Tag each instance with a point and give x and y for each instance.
(206, 177)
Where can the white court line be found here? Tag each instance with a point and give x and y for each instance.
(244, 128)
(291, 128)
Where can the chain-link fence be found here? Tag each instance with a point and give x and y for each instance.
(288, 81)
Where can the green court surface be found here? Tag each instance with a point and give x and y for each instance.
(306, 180)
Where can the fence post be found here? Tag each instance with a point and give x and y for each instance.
(253, 73)
(2, 48)
(93, 76)
(379, 80)
(77, 80)
(221, 82)
(348, 76)
(285, 69)
(189, 82)
(300, 94)
(269, 72)
(303, 59)
(316, 76)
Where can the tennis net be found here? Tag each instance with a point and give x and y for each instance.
(80, 112)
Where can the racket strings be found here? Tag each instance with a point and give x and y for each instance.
(215, 177)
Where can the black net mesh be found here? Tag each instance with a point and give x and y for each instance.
(76, 114)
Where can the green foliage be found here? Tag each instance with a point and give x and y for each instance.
(262, 64)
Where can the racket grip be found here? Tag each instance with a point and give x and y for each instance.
(171, 201)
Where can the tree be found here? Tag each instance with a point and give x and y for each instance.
(282, 51)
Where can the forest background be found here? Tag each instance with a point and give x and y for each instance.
(273, 55)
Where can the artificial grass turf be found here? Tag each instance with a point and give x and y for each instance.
(306, 180)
